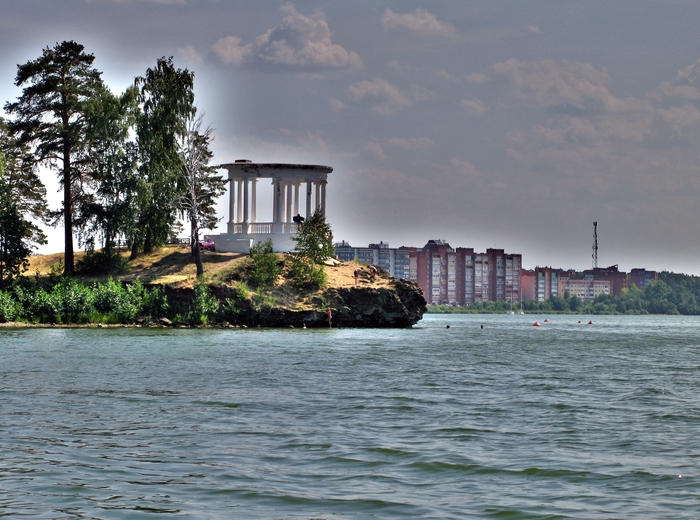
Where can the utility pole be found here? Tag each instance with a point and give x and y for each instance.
(595, 245)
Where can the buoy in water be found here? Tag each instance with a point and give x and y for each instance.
(537, 324)
(546, 320)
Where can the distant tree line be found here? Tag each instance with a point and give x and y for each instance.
(129, 165)
(671, 294)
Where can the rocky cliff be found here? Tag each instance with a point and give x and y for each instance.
(399, 304)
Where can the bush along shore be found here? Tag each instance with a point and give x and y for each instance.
(235, 302)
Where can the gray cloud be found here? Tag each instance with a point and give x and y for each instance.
(299, 41)
(473, 107)
(385, 98)
(165, 2)
(419, 21)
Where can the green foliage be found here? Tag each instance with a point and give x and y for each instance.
(305, 274)
(27, 192)
(69, 301)
(166, 98)
(100, 262)
(266, 266)
(10, 309)
(230, 309)
(50, 116)
(202, 186)
(673, 294)
(115, 303)
(108, 211)
(314, 245)
(77, 301)
(260, 300)
(243, 290)
(154, 302)
(41, 306)
(203, 305)
(14, 232)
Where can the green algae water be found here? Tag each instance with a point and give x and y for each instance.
(566, 420)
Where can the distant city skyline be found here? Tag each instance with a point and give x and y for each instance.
(501, 124)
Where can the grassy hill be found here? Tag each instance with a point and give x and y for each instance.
(174, 267)
(170, 265)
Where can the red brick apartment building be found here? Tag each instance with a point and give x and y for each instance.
(543, 282)
(617, 279)
(641, 278)
(461, 276)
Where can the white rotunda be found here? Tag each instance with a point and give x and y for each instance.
(289, 181)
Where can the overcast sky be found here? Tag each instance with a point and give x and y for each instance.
(508, 124)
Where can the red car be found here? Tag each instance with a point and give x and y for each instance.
(209, 246)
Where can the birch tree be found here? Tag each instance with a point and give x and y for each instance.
(202, 185)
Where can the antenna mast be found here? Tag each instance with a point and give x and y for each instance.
(595, 245)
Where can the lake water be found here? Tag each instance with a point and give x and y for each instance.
(566, 420)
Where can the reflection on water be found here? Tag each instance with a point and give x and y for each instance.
(512, 421)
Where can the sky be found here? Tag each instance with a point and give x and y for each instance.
(500, 124)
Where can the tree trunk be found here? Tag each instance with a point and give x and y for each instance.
(196, 252)
(69, 266)
(148, 242)
(108, 244)
(198, 261)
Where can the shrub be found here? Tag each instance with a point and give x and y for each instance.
(229, 310)
(306, 275)
(77, 301)
(44, 307)
(203, 305)
(10, 309)
(116, 302)
(266, 266)
(151, 302)
(243, 291)
(98, 262)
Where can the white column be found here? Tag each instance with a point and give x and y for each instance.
(231, 206)
(318, 195)
(296, 198)
(245, 206)
(308, 200)
(323, 197)
(279, 192)
(240, 201)
(274, 201)
(289, 202)
(254, 201)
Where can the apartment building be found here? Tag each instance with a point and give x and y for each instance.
(461, 277)
(585, 289)
(395, 261)
(617, 278)
(641, 278)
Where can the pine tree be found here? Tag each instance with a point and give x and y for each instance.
(314, 246)
(14, 232)
(50, 116)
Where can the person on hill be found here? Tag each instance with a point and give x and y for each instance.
(372, 273)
